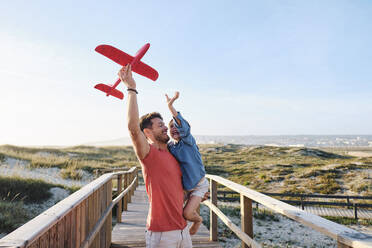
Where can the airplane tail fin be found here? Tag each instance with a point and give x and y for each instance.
(109, 90)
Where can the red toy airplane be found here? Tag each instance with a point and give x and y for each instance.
(123, 59)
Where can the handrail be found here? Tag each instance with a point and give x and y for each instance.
(345, 237)
(77, 219)
(302, 202)
(306, 195)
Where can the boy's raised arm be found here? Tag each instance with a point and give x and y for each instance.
(170, 102)
(141, 146)
(182, 125)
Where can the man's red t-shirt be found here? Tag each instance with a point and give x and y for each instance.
(163, 179)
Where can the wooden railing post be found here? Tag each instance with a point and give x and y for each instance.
(129, 193)
(355, 211)
(109, 220)
(302, 203)
(246, 217)
(137, 177)
(125, 198)
(213, 216)
(133, 176)
(119, 207)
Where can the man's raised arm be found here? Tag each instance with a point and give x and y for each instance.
(141, 146)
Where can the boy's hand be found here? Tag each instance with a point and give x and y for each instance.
(171, 100)
(206, 196)
(125, 75)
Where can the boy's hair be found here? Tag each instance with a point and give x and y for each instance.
(170, 122)
(145, 120)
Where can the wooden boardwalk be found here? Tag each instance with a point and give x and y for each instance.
(339, 212)
(334, 212)
(131, 231)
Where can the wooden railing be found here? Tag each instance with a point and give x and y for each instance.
(84, 219)
(234, 196)
(344, 236)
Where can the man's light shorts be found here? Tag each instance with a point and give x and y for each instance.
(170, 239)
(200, 189)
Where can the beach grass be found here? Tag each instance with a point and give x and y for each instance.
(28, 190)
(15, 192)
(290, 169)
(72, 160)
(12, 215)
(262, 168)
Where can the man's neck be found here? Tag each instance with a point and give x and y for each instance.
(159, 145)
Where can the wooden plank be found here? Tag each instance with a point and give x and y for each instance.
(78, 227)
(35, 244)
(129, 182)
(125, 198)
(340, 245)
(102, 200)
(53, 241)
(83, 221)
(96, 217)
(87, 218)
(119, 205)
(131, 232)
(246, 214)
(90, 214)
(73, 227)
(109, 220)
(44, 241)
(92, 238)
(61, 233)
(213, 216)
(137, 180)
(67, 237)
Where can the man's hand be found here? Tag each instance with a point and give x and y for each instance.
(206, 196)
(125, 75)
(171, 100)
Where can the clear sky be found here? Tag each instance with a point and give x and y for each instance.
(242, 67)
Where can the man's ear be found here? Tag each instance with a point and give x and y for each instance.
(147, 132)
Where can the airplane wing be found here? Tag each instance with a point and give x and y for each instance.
(146, 71)
(109, 90)
(123, 59)
(114, 54)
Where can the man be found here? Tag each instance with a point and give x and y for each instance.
(165, 225)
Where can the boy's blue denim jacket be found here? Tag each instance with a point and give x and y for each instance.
(187, 153)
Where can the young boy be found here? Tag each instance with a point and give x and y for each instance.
(185, 150)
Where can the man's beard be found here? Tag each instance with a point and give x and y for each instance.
(162, 138)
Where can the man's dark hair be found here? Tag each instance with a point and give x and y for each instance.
(145, 120)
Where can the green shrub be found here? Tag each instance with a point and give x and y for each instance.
(264, 215)
(12, 216)
(362, 187)
(325, 184)
(47, 162)
(30, 190)
(312, 173)
(71, 173)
